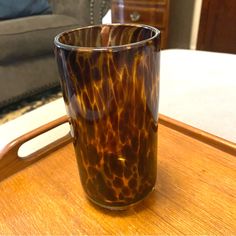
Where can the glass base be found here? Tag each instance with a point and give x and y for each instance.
(119, 208)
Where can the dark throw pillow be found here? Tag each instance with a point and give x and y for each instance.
(10, 9)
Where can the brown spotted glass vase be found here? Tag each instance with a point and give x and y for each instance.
(110, 80)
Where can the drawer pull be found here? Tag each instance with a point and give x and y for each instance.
(135, 16)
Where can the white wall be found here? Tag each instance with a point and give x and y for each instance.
(195, 23)
(184, 21)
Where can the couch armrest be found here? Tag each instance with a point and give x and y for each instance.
(80, 9)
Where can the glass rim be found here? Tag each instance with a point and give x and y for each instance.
(58, 44)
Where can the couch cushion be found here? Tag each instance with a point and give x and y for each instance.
(31, 36)
(33, 76)
(14, 8)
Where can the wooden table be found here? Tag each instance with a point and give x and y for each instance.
(195, 192)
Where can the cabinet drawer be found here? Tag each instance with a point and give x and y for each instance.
(149, 12)
(129, 13)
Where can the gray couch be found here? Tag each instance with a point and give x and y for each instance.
(27, 64)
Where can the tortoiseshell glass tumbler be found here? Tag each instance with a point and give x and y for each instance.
(109, 76)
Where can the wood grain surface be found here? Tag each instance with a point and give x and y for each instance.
(195, 194)
(10, 161)
(217, 26)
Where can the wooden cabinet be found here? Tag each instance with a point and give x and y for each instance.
(150, 12)
(217, 28)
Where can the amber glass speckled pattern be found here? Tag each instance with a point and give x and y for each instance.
(110, 80)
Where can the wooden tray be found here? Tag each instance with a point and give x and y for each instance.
(195, 192)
